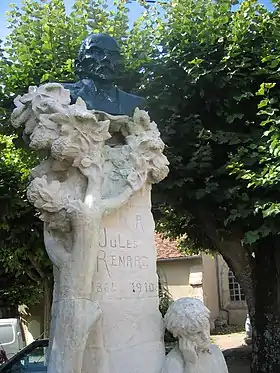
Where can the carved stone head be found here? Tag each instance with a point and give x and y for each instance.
(98, 58)
(189, 320)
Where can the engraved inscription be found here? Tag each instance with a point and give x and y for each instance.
(138, 223)
(108, 261)
(116, 242)
(106, 287)
(146, 287)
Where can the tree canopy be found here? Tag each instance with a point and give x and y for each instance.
(215, 85)
(22, 254)
(214, 90)
(222, 69)
(42, 46)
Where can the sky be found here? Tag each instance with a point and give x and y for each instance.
(134, 7)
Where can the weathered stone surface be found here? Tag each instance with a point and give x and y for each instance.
(93, 193)
(126, 287)
(189, 320)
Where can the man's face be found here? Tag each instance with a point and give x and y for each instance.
(100, 60)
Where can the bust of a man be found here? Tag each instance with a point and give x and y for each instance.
(96, 67)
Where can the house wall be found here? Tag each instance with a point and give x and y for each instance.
(210, 285)
(175, 274)
(35, 322)
(192, 278)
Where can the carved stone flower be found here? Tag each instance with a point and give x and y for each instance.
(64, 149)
(150, 150)
(48, 98)
(77, 121)
(44, 195)
(138, 174)
(57, 221)
(141, 120)
(44, 133)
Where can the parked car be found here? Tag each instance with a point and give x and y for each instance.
(12, 338)
(31, 359)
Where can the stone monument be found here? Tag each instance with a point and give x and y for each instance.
(92, 190)
(93, 194)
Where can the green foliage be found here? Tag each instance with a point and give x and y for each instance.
(214, 92)
(21, 256)
(44, 41)
(165, 299)
(41, 47)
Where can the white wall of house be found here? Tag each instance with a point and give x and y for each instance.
(182, 277)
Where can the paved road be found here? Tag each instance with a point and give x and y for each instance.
(228, 341)
(238, 365)
(236, 353)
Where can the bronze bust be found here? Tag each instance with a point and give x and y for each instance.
(96, 67)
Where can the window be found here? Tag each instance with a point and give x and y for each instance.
(35, 358)
(6, 334)
(235, 291)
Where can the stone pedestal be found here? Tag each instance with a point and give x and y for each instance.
(126, 285)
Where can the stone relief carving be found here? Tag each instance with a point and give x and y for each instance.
(95, 163)
(188, 319)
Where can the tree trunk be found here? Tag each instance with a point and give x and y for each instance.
(266, 322)
(74, 320)
(74, 311)
(238, 257)
(241, 262)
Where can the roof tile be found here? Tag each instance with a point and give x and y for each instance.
(166, 248)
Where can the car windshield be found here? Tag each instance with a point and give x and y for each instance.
(31, 361)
